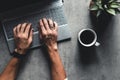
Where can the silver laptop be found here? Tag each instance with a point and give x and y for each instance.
(20, 11)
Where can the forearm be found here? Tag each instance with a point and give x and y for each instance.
(23, 34)
(57, 69)
(10, 71)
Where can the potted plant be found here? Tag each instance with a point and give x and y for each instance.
(109, 7)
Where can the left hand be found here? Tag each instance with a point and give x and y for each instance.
(23, 34)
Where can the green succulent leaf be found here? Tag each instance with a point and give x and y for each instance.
(98, 13)
(115, 5)
(94, 7)
(99, 5)
(112, 1)
(105, 6)
(111, 11)
(111, 7)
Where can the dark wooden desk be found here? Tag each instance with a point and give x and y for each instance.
(100, 63)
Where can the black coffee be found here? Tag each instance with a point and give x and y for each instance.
(87, 37)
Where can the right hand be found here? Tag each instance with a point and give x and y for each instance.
(49, 32)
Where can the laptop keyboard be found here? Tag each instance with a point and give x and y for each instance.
(56, 14)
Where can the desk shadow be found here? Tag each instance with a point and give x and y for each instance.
(44, 50)
(88, 56)
(101, 23)
(46, 54)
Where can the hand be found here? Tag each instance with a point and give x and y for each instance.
(49, 32)
(23, 34)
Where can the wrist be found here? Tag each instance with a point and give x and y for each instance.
(20, 51)
(53, 47)
(17, 55)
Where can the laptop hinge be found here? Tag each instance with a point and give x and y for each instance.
(28, 9)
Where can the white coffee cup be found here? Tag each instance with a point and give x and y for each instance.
(88, 37)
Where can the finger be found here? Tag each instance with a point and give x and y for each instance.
(30, 36)
(40, 34)
(42, 28)
(40, 31)
(23, 27)
(56, 26)
(18, 28)
(14, 31)
(27, 30)
(51, 24)
(45, 22)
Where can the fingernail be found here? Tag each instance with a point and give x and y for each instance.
(40, 20)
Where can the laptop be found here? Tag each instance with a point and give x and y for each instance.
(13, 12)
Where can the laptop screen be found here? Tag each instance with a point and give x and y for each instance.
(6, 5)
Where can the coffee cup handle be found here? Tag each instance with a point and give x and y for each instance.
(97, 44)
